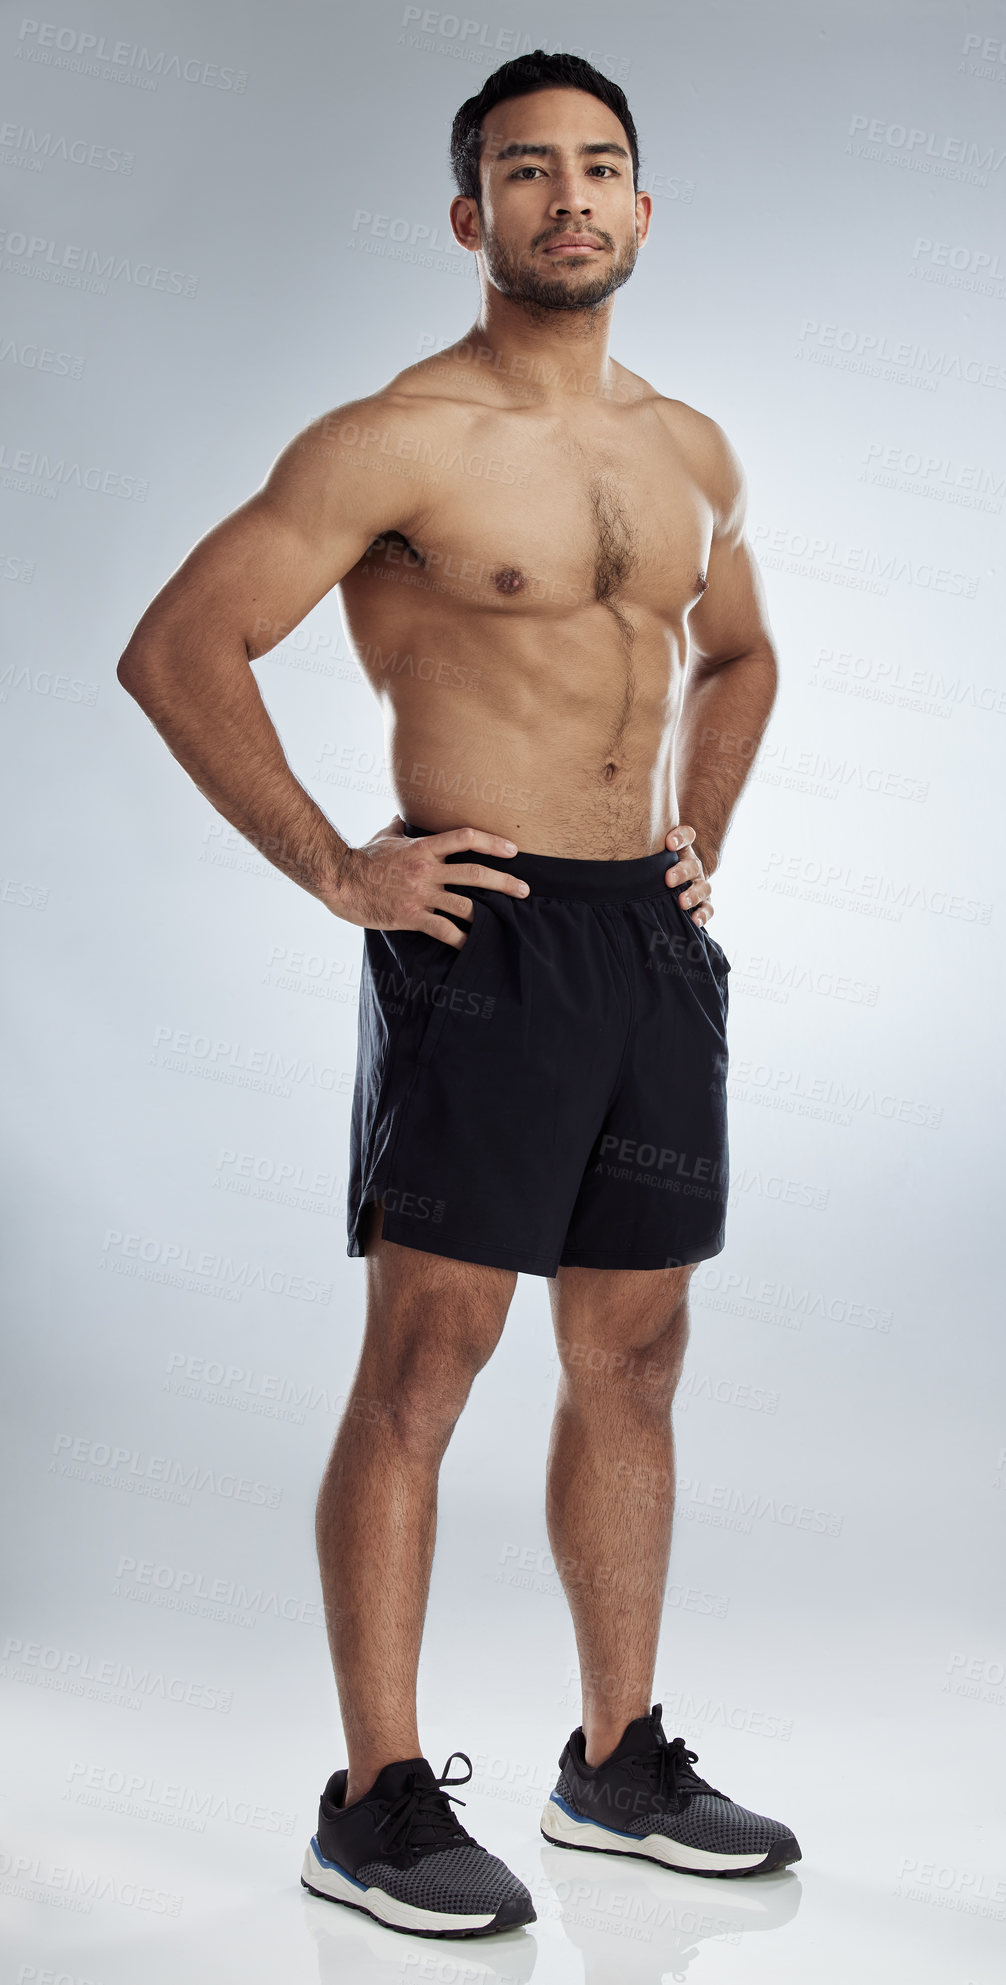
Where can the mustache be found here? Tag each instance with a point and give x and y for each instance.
(560, 233)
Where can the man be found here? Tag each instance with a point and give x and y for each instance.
(544, 574)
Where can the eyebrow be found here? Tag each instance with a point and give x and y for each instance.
(521, 151)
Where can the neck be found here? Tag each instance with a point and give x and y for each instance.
(561, 353)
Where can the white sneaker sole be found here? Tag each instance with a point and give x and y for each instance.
(559, 1826)
(325, 1879)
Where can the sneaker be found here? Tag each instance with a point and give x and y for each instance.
(403, 1857)
(646, 1801)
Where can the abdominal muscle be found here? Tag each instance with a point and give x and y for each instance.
(561, 745)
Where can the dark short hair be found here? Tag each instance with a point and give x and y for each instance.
(522, 77)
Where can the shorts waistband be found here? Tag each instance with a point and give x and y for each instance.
(578, 881)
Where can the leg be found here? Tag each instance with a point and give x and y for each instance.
(621, 1337)
(432, 1323)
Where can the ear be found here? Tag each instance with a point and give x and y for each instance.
(466, 222)
(644, 212)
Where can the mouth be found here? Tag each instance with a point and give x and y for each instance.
(575, 244)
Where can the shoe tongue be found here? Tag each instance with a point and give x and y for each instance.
(399, 1777)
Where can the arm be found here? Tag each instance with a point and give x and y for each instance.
(241, 589)
(731, 682)
(250, 580)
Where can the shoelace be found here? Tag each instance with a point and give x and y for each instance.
(421, 1818)
(673, 1762)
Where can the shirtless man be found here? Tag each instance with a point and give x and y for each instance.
(544, 574)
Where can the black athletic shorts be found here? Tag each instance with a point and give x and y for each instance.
(554, 1092)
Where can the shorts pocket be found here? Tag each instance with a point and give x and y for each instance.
(456, 980)
(701, 948)
(720, 961)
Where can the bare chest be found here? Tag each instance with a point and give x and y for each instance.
(519, 518)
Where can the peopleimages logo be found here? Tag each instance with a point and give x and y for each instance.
(72, 1671)
(73, 265)
(24, 146)
(33, 357)
(861, 567)
(65, 1887)
(918, 150)
(126, 61)
(129, 1254)
(732, 1508)
(874, 351)
(142, 1795)
(191, 1588)
(37, 473)
(113, 1466)
(958, 257)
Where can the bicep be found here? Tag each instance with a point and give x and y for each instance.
(731, 618)
(256, 574)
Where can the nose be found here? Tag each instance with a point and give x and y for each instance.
(571, 199)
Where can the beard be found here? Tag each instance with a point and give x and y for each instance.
(540, 294)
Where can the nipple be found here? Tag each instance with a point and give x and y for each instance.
(509, 580)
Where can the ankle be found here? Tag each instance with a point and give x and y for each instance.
(598, 1749)
(357, 1787)
(363, 1772)
(602, 1735)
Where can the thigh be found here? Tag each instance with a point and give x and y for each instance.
(610, 1322)
(654, 1194)
(429, 1305)
(476, 1130)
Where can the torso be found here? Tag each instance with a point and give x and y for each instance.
(527, 635)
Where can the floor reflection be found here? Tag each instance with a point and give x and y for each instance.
(640, 1925)
(353, 1947)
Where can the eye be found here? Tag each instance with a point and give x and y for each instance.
(525, 169)
(605, 168)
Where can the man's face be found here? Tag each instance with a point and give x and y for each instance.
(560, 225)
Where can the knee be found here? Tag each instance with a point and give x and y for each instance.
(418, 1392)
(638, 1358)
(432, 1323)
(431, 1389)
(665, 1342)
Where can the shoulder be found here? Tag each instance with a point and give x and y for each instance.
(374, 454)
(713, 459)
(707, 450)
(376, 422)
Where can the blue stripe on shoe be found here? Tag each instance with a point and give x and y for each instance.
(586, 1820)
(339, 1869)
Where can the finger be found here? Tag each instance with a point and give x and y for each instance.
(679, 836)
(459, 906)
(448, 933)
(684, 870)
(485, 878)
(698, 893)
(453, 839)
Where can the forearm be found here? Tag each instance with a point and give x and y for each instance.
(208, 709)
(725, 711)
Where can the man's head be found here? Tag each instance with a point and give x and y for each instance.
(546, 161)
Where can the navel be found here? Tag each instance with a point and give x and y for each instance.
(509, 580)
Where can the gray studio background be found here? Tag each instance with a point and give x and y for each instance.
(220, 222)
